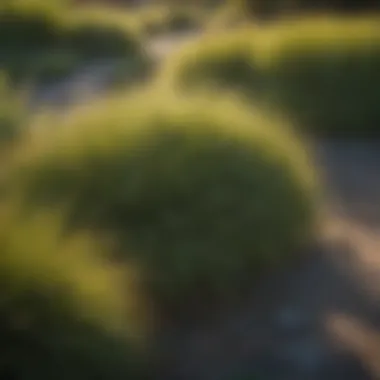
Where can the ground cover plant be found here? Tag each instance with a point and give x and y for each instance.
(195, 188)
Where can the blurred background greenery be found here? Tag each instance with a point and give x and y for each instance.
(182, 185)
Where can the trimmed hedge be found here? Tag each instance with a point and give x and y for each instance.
(65, 312)
(204, 194)
(322, 72)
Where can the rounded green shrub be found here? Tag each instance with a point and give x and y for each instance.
(204, 193)
(324, 73)
(45, 41)
(65, 311)
(321, 72)
(101, 33)
(224, 61)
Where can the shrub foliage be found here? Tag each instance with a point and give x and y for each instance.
(322, 72)
(65, 313)
(264, 8)
(224, 61)
(205, 194)
(32, 31)
(12, 114)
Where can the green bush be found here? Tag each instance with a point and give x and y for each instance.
(27, 26)
(41, 41)
(161, 20)
(204, 193)
(183, 20)
(224, 61)
(101, 33)
(101, 41)
(323, 72)
(264, 8)
(65, 312)
(226, 16)
(27, 29)
(20, 32)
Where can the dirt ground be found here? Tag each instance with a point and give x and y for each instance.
(321, 318)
